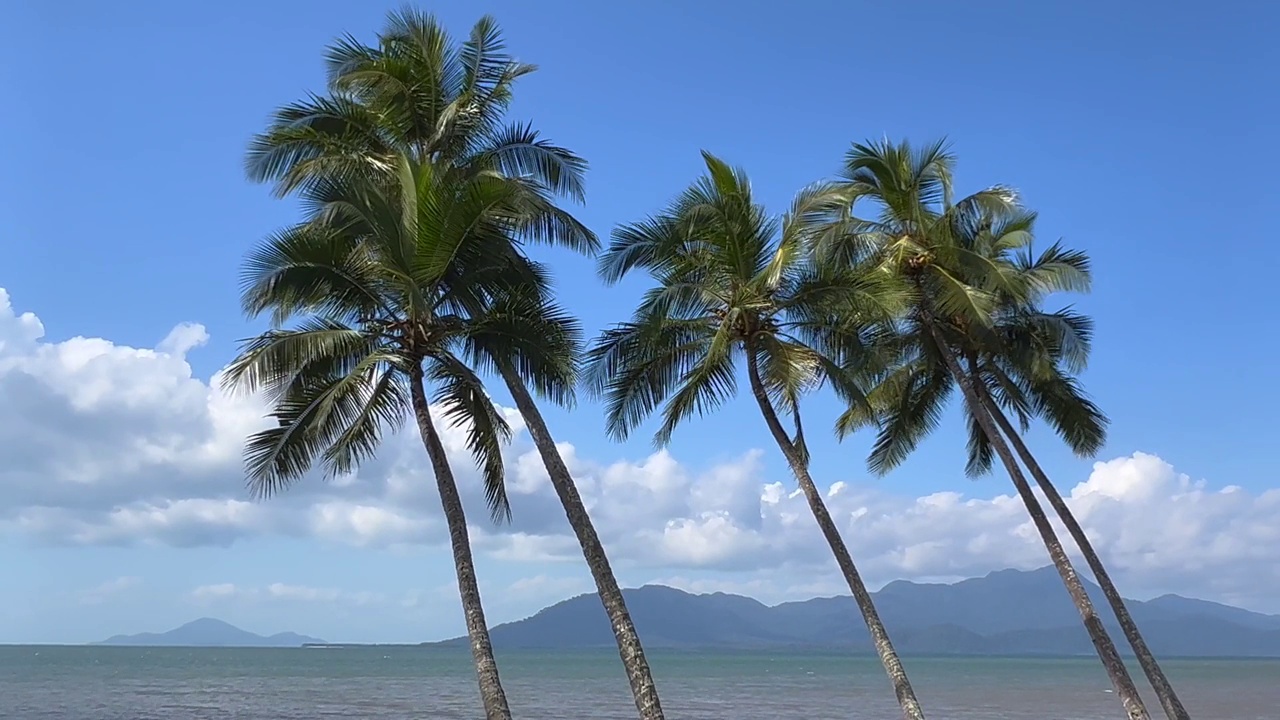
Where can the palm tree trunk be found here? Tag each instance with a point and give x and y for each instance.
(911, 709)
(1116, 670)
(1164, 690)
(643, 688)
(491, 692)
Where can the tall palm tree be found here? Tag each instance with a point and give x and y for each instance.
(419, 95)
(1030, 370)
(732, 285)
(955, 261)
(388, 287)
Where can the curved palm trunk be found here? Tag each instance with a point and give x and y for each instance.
(911, 709)
(624, 630)
(1164, 690)
(1116, 670)
(491, 693)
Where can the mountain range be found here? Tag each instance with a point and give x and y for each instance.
(1008, 612)
(208, 632)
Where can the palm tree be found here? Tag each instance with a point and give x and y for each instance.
(387, 287)
(1030, 370)
(954, 260)
(534, 321)
(417, 94)
(733, 284)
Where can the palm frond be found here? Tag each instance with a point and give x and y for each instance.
(538, 338)
(317, 412)
(383, 409)
(271, 362)
(519, 151)
(702, 388)
(466, 405)
(634, 366)
(1058, 269)
(912, 404)
(1071, 413)
(981, 454)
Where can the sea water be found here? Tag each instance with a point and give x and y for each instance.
(115, 683)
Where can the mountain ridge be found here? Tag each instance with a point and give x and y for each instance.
(1006, 612)
(209, 632)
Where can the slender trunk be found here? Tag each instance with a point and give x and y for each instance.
(1107, 652)
(491, 693)
(1164, 690)
(879, 634)
(624, 631)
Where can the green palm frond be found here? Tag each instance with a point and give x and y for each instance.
(318, 137)
(272, 362)
(642, 245)
(981, 454)
(788, 368)
(462, 395)
(701, 389)
(953, 296)
(541, 340)
(1063, 404)
(635, 366)
(318, 412)
(534, 216)
(1037, 340)
(485, 59)
(1058, 269)
(383, 409)
(911, 403)
(910, 183)
(307, 269)
(519, 151)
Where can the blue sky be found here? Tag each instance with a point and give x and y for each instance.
(1138, 137)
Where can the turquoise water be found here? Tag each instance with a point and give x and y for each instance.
(100, 683)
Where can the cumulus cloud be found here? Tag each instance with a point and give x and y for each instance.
(113, 445)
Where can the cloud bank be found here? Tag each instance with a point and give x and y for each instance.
(112, 445)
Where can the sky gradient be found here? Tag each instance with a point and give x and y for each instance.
(125, 214)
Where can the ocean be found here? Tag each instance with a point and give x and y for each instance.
(114, 683)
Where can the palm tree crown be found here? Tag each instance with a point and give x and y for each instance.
(392, 279)
(730, 282)
(966, 269)
(417, 94)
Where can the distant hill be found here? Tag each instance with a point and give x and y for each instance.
(1008, 612)
(208, 632)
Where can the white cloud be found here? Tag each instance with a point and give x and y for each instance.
(217, 591)
(221, 593)
(107, 444)
(108, 590)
